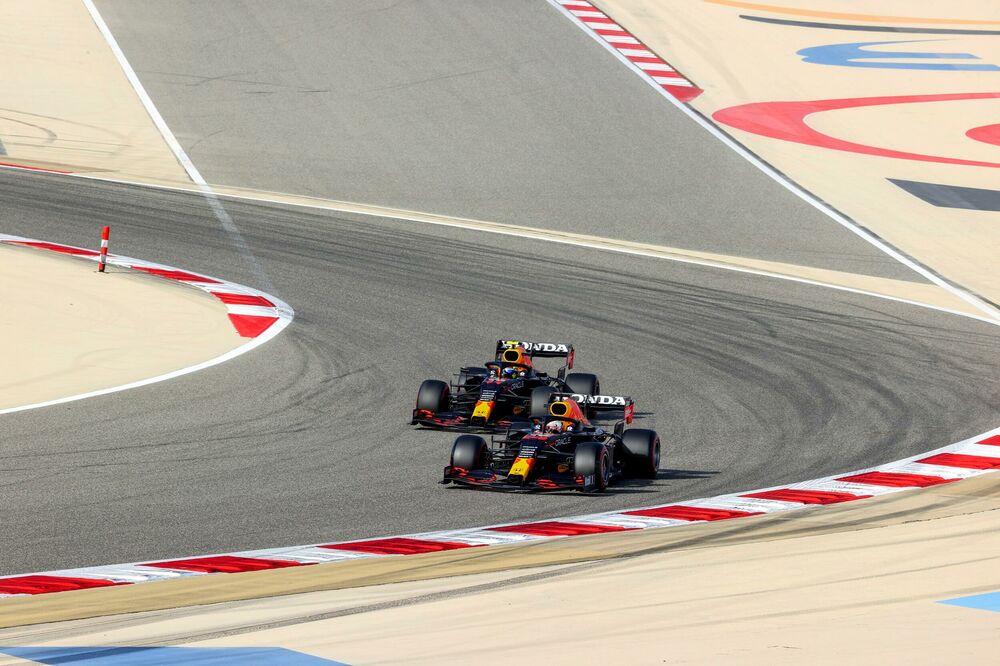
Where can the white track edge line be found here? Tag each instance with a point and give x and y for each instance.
(179, 154)
(147, 101)
(783, 180)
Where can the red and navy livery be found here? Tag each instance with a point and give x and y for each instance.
(508, 391)
(565, 452)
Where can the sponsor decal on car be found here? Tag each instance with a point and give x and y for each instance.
(600, 400)
(547, 347)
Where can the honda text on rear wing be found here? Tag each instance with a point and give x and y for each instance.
(604, 403)
(539, 349)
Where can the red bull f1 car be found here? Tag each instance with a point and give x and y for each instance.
(508, 391)
(565, 452)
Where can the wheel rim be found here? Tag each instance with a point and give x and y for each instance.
(656, 455)
(605, 469)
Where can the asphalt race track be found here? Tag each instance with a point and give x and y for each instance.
(751, 381)
(502, 111)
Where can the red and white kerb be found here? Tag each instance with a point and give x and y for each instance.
(251, 312)
(652, 65)
(971, 457)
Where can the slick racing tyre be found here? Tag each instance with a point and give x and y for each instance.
(585, 383)
(434, 395)
(469, 452)
(540, 395)
(643, 449)
(592, 459)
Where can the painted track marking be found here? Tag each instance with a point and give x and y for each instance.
(182, 157)
(793, 187)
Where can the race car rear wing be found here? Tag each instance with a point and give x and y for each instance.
(602, 402)
(541, 349)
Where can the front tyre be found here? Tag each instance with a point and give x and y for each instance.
(469, 452)
(583, 382)
(592, 459)
(540, 396)
(643, 453)
(434, 395)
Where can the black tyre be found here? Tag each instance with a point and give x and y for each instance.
(592, 459)
(642, 448)
(469, 452)
(585, 383)
(539, 408)
(434, 395)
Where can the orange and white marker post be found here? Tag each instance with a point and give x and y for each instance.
(104, 249)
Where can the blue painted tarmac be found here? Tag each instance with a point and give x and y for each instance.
(165, 656)
(989, 601)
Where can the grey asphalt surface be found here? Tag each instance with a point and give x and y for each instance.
(504, 111)
(750, 381)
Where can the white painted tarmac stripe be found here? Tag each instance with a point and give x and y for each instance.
(144, 97)
(182, 157)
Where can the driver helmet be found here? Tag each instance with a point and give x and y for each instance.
(509, 373)
(554, 426)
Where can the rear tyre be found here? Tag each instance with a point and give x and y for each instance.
(434, 395)
(592, 459)
(583, 382)
(643, 453)
(469, 452)
(540, 396)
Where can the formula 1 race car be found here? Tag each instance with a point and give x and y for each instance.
(507, 391)
(567, 452)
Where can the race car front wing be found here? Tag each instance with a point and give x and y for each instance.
(489, 480)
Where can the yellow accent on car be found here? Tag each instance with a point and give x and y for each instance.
(560, 408)
(521, 467)
(482, 410)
